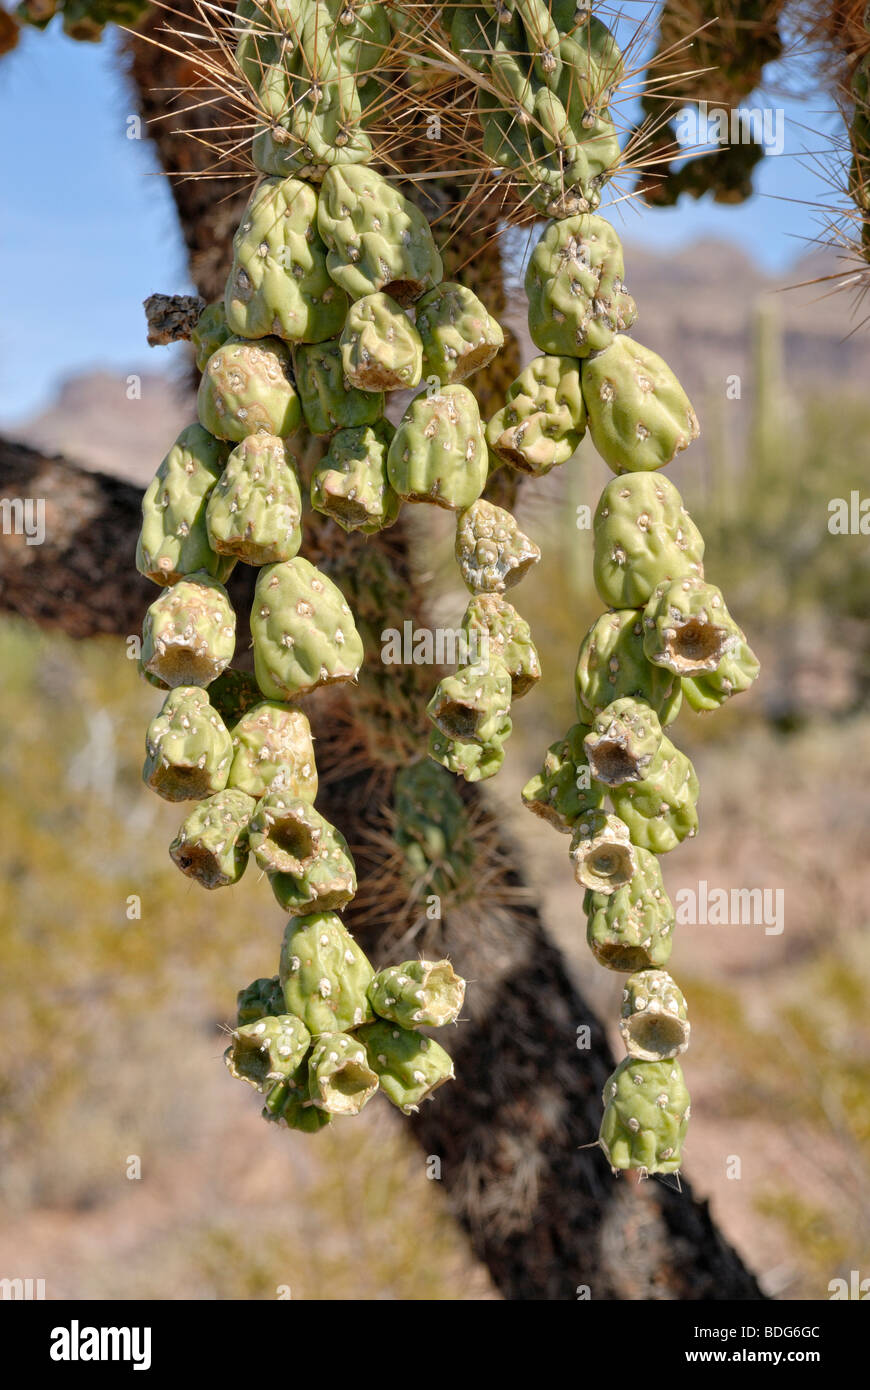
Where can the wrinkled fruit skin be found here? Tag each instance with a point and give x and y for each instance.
(303, 631)
(632, 928)
(638, 414)
(418, 993)
(409, 1066)
(564, 789)
(187, 748)
(473, 705)
(267, 1051)
(212, 844)
(329, 402)
(474, 762)
(380, 348)
(574, 283)
(189, 632)
(458, 334)
(661, 809)
(273, 749)
(254, 512)
(173, 541)
(324, 974)
(623, 741)
(654, 1020)
(646, 1116)
(495, 629)
(377, 240)
(247, 388)
(612, 665)
(644, 537)
(350, 483)
(491, 551)
(340, 1078)
(543, 419)
(438, 453)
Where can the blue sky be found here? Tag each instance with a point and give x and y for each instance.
(87, 227)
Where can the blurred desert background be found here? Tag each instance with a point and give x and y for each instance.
(112, 1029)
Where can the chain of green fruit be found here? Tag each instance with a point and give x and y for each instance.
(311, 336)
(667, 633)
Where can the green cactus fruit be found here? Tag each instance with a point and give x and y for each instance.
(543, 419)
(577, 299)
(188, 748)
(646, 1116)
(491, 551)
(409, 1066)
(564, 789)
(459, 335)
(278, 284)
(247, 388)
(380, 347)
(660, 811)
(324, 974)
(474, 762)
(329, 402)
(189, 633)
(602, 854)
(273, 749)
(494, 628)
(327, 885)
(289, 1103)
(173, 541)
(735, 673)
(377, 239)
(623, 741)
(259, 999)
(340, 1078)
(632, 927)
(432, 829)
(654, 1021)
(350, 482)
(612, 665)
(233, 694)
(212, 844)
(473, 705)
(308, 862)
(254, 512)
(303, 631)
(439, 453)
(210, 333)
(643, 537)
(688, 629)
(418, 993)
(267, 1051)
(638, 414)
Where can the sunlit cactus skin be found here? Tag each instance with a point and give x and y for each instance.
(458, 335)
(351, 484)
(273, 749)
(644, 537)
(470, 760)
(377, 239)
(189, 633)
(418, 993)
(247, 388)
(638, 414)
(212, 844)
(632, 927)
(543, 419)
(612, 665)
(278, 284)
(495, 629)
(575, 286)
(473, 705)
(210, 332)
(254, 512)
(660, 810)
(602, 855)
(623, 741)
(654, 1020)
(735, 673)
(188, 748)
(438, 453)
(409, 1066)
(380, 348)
(564, 790)
(329, 402)
(492, 553)
(646, 1116)
(688, 629)
(308, 862)
(303, 630)
(324, 974)
(267, 1051)
(174, 539)
(340, 1078)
